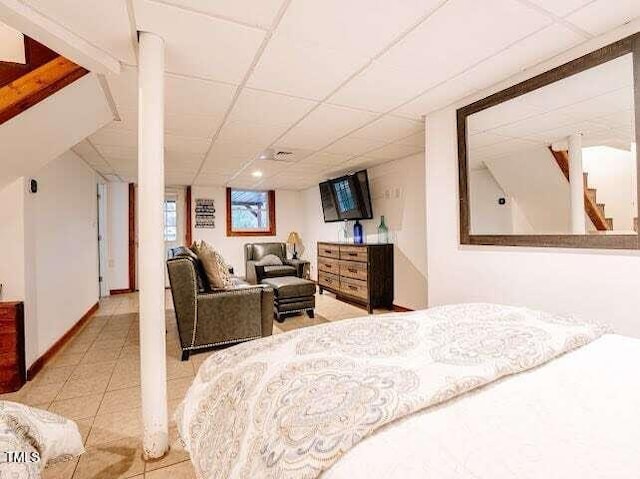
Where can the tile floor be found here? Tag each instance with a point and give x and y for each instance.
(95, 380)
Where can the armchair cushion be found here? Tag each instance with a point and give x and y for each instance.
(269, 260)
(214, 265)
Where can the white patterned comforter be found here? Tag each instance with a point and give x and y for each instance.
(291, 405)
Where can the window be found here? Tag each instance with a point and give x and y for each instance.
(250, 213)
(170, 221)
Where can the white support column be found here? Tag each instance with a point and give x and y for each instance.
(153, 366)
(576, 181)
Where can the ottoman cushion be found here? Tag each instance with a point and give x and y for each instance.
(290, 287)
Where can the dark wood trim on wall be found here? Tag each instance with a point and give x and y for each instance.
(272, 218)
(132, 237)
(610, 52)
(39, 363)
(119, 291)
(401, 309)
(13, 373)
(188, 237)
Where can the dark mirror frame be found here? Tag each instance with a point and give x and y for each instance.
(622, 47)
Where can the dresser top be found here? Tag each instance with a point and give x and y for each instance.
(337, 243)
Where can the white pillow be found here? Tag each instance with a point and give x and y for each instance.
(269, 260)
(41, 434)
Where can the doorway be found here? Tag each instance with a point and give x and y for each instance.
(172, 224)
(102, 240)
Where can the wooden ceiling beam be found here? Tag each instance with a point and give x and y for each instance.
(36, 85)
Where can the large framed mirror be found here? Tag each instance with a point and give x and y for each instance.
(553, 160)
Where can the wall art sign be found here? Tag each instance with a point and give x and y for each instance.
(205, 213)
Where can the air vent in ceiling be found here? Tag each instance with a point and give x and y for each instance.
(278, 155)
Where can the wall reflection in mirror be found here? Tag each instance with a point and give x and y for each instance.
(557, 160)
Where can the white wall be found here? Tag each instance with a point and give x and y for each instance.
(600, 285)
(397, 192)
(289, 217)
(488, 217)
(50, 247)
(118, 235)
(611, 173)
(66, 249)
(12, 267)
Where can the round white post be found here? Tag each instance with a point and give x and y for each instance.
(153, 366)
(576, 182)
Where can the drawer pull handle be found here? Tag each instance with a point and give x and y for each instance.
(353, 254)
(353, 287)
(327, 251)
(351, 270)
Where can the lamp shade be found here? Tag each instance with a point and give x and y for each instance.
(293, 239)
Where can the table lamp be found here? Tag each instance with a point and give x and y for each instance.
(293, 240)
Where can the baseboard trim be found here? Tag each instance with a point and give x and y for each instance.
(119, 291)
(401, 309)
(39, 363)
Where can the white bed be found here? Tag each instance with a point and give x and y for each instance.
(577, 416)
(402, 396)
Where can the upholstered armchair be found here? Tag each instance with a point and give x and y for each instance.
(208, 318)
(254, 272)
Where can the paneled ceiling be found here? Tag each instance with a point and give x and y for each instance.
(597, 103)
(341, 84)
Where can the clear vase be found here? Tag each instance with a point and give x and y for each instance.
(383, 232)
(343, 235)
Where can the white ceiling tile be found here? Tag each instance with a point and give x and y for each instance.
(261, 13)
(380, 88)
(324, 125)
(89, 154)
(200, 45)
(363, 27)
(268, 168)
(394, 152)
(389, 128)
(189, 96)
(462, 33)
(604, 15)
(561, 7)
(104, 23)
(117, 152)
(352, 146)
(325, 159)
(293, 67)
(213, 179)
(417, 139)
(110, 136)
(251, 132)
(524, 54)
(186, 145)
(183, 96)
(269, 108)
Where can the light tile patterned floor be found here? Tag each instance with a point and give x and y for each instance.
(95, 380)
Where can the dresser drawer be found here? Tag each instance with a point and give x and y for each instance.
(329, 265)
(328, 250)
(328, 280)
(354, 253)
(353, 287)
(354, 270)
(8, 343)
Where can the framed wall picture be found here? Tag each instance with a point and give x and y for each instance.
(205, 213)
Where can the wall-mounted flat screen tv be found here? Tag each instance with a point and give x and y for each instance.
(346, 198)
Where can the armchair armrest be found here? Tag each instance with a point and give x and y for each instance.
(233, 315)
(298, 264)
(250, 273)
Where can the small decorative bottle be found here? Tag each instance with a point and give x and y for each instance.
(383, 232)
(357, 233)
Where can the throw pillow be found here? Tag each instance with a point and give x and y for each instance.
(270, 260)
(41, 434)
(214, 265)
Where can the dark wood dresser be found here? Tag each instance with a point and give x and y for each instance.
(358, 273)
(12, 361)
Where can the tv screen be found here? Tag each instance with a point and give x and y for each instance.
(346, 198)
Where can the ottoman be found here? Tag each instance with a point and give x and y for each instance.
(292, 295)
